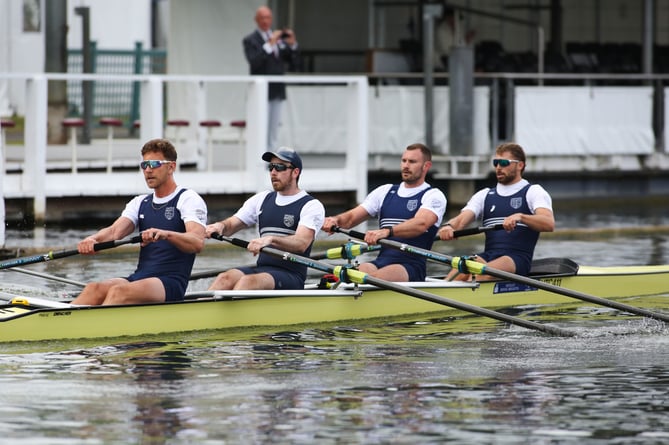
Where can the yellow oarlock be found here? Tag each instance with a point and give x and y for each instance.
(350, 275)
(20, 301)
(467, 265)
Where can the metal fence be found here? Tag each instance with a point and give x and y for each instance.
(118, 99)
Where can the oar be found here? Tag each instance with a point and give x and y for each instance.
(47, 276)
(481, 269)
(351, 250)
(64, 253)
(352, 275)
(470, 231)
(348, 251)
(214, 273)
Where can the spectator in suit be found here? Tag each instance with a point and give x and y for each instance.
(270, 52)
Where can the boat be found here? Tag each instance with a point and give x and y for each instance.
(27, 318)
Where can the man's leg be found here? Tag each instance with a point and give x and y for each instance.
(226, 280)
(96, 292)
(147, 290)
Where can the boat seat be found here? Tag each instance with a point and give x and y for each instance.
(73, 123)
(553, 266)
(110, 123)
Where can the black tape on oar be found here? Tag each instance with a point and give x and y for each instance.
(473, 231)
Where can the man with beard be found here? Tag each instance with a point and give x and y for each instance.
(171, 222)
(287, 218)
(409, 212)
(523, 209)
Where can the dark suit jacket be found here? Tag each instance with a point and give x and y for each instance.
(268, 64)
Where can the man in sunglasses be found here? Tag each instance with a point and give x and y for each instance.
(287, 218)
(409, 212)
(171, 222)
(522, 208)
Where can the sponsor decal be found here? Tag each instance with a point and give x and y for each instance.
(492, 209)
(505, 287)
(288, 220)
(553, 281)
(516, 203)
(412, 205)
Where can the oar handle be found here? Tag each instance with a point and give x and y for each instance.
(236, 241)
(116, 243)
(474, 231)
(456, 234)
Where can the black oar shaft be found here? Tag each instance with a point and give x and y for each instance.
(482, 269)
(468, 307)
(363, 278)
(65, 253)
(575, 294)
(474, 231)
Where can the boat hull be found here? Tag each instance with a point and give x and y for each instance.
(228, 309)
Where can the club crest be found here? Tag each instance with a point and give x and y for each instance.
(289, 220)
(516, 203)
(169, 213)
(412, 205)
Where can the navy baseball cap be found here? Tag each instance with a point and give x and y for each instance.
(285, 154)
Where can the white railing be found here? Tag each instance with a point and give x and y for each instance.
(34, 178)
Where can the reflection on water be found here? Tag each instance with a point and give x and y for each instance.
(158, 374)
(397, 383)
(424, 380)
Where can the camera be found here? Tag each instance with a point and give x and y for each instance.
(285, 35)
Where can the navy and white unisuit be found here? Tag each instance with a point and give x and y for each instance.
(519, 243)
(282, 221)
(163, 259)
(394, 210)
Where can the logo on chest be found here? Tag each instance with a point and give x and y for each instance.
(288, 220)
(412, 205)
(516, 203)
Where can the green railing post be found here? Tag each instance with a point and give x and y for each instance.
(134, 106)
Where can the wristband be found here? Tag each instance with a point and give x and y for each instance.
(448, 225)
(390, 231)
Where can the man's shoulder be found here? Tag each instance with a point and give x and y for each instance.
(253, 35)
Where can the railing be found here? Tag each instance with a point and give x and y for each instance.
(113, 98)
(35, 180)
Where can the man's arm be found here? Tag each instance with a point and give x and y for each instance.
(297, 243)
(411, 228)
(346, 220)
(462, 220)
(542, 220)
(255, 54)
(190, 241)
(120, 228)
(226, 227)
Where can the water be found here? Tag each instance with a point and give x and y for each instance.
(421, 380)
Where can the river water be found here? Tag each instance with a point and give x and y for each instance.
(420, 380)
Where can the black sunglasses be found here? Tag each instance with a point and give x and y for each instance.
(503, 162)
(278, 167)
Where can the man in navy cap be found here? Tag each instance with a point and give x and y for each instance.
(287, 218)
